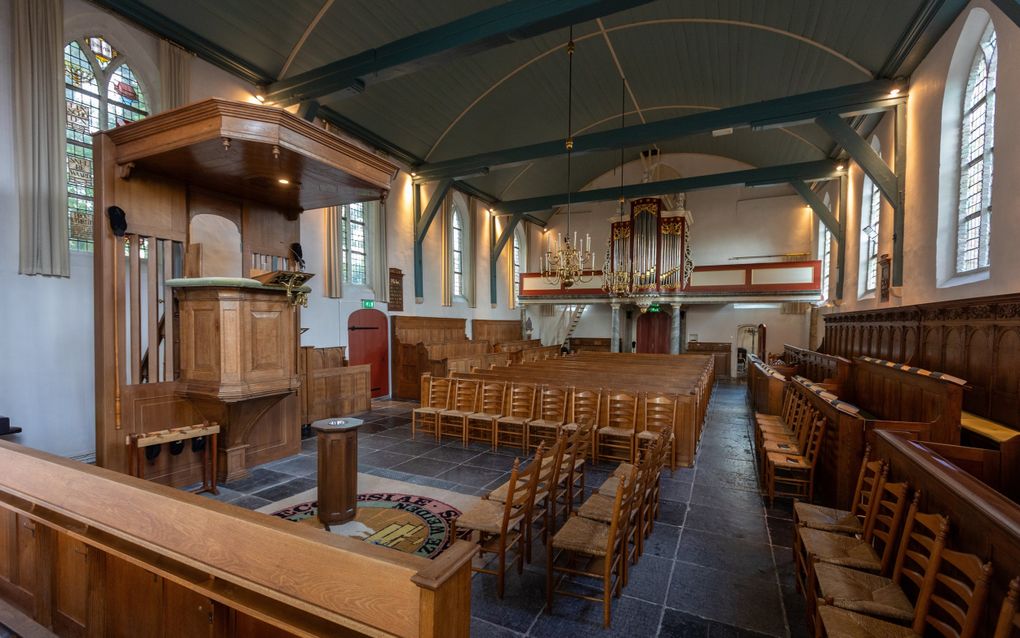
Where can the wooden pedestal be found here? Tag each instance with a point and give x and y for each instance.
(338, 469)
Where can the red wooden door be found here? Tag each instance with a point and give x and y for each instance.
(653, 333)
(368, 343)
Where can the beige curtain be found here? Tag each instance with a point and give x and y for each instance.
(174, 75)
(38, 44)
(332, 253)
(378, 266)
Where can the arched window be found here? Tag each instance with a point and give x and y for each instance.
(457, 252)
(825, 250)
(515, 268)
(976, 144)
(871, 217)
(101, 92)
(354, 241)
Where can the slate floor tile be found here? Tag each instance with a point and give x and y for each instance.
(452, 454)
(781, 531)
(732, 599)
(727, 554)
(733, 523)
(383, 458)
(296, 465)
(424, 467)
(259, 478)
(521, 604)
(413, 448)
(575, 617)
(285, 490)
(475, 476)
(250, 502)
(484, 629)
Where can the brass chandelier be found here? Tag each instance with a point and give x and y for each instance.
(566, 264)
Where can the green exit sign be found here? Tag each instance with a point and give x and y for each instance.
(368, 303)
(653, 308)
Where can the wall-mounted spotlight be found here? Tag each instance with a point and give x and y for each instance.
(894, 92)
(284, 181)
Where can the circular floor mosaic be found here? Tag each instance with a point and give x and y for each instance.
(413, 524)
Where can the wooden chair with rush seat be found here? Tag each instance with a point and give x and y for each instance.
(512, 427)
(592, 549)
(481, 425)
(660, 415)
(585, 407)
(501, 526)
(794, 474)
(616, 441)
(843, 521)
(426, 417)
(551, 413)
(463, 403)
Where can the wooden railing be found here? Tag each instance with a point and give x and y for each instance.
(88, 551)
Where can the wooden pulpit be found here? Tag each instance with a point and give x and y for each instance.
(238, 356)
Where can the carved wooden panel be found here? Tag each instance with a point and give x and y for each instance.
(974, 339)
(72, 584)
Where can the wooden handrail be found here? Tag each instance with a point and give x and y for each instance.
(293, 576)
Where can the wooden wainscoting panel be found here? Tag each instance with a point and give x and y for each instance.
(276, 434)
(71, 586)
(133, 600)
(187, 613)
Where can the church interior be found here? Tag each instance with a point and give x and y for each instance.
(520, 318)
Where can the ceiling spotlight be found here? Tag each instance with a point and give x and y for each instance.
(894, 92)
(413, 174)
(284, 181)
(840, 167)
(261, 98)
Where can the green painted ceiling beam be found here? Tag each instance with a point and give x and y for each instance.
(816, 203)
(1011, 8)
(797, 109)
(159, 24)
(502, 24)
(803, 171)
(862, 153)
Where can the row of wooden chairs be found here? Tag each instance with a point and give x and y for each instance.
(598, 539)
(788, 446)
(884, 568)
(609, 530)
(524, 415)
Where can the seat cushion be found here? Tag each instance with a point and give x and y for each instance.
(582, 535)
(827, 518)
(840, 623)
(486, 516)
(863, 592)
(598, 507)
(837, 549)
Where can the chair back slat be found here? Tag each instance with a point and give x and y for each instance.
(466, 395)
(890, 507)
(958, 594)
(621, 410)
(585, 405)
(522, 400)
(439, 392)
(493, 397)
(660, 411)
(924, 537)
(553, 404)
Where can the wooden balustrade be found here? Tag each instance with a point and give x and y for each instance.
(90, 552)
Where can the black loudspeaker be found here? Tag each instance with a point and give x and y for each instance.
(118, 220)
(152, 452)
(198, 444)
(299, 255)
(176, 447)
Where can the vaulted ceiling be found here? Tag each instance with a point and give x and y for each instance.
(679, 57)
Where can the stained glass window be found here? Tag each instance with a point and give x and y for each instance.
(101, 92)
(457, 243)
(977, 142)
(353, 243)
(517, 268)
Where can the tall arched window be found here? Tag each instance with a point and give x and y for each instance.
(515, 268)
(101, 92)
(871, 217)
(354, 239)
(977, 142)
(457, 252)
(825, 250)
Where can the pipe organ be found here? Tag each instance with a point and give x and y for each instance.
(653, 246)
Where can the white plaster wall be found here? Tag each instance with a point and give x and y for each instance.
(924, 131)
